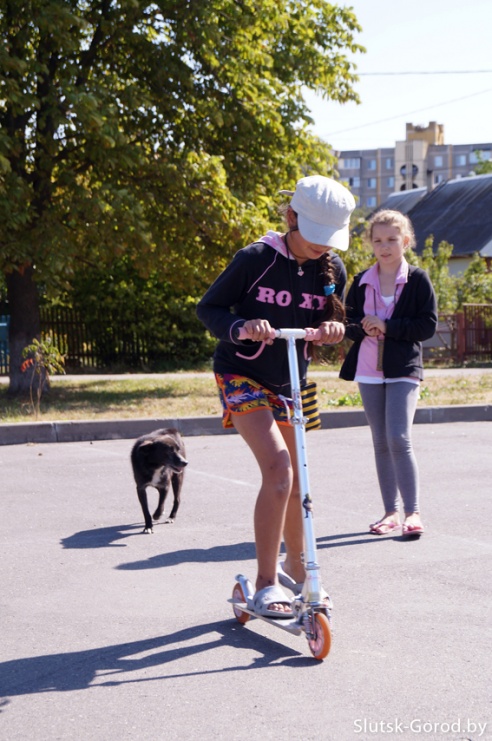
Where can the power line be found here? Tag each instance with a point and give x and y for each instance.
(408, 113)
(430, 72)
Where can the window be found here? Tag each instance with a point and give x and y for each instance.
(352, 163)
(438, 160)
(389, 163)
(371, 201)
(460, 160)
(354, 182)
(371, 182)
(438, 179)
(371, 164)
(483, 155)
(390, 182)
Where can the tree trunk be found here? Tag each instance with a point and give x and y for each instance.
(25, 324)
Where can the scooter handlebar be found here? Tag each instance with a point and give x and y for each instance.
(285, 334)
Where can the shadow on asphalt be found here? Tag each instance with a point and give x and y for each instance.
(101, 666)
(108, 537)
(102, 537)
(355, 539)
(217, 554)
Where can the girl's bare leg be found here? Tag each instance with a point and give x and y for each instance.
(261, 433)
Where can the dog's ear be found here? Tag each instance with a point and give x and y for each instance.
(146, 445)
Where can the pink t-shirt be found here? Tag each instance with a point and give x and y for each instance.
(381, 306)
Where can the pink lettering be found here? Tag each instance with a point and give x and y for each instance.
(308, 301)
(321, 301)
(283, 298)
(313, 302)
(266, 295)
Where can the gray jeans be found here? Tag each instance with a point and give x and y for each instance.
(390, 410)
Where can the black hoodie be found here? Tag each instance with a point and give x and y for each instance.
(262, 283)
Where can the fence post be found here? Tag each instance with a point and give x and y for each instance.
(4, 344)
(460, 336)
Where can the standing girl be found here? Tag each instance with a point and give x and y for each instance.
(391, 308)
(283, 280)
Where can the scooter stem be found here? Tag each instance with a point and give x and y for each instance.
(312, 584)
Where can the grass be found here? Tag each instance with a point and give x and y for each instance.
(175, 396)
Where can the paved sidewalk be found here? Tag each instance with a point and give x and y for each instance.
(118, 429)
(73, 431)
(430, 372)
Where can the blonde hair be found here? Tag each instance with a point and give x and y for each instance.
(396, 219)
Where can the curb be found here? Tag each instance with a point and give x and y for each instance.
(125, 429)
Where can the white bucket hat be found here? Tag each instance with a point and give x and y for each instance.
(323, 208)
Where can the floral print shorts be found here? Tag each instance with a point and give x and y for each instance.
(241, 395)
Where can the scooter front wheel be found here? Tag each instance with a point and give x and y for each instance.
(238, 595)
(320, 642)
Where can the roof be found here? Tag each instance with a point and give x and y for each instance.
(458, 212)
(403, 200)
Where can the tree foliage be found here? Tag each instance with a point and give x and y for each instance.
(360, 254)
(158, 131)
(147, 307)
(475, 286)
(42, 359)
(483, 166)
(437, 266)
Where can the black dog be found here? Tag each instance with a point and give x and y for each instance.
(158, 459)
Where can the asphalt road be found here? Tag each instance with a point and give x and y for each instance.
(111, 635)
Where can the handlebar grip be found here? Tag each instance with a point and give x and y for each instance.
(284, 334)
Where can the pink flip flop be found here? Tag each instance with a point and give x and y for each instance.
(383, 528)
(412, 531)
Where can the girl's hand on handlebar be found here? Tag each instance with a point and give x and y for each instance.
(258, 330)
(328, 333)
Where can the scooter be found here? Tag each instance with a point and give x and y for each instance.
(311, 611)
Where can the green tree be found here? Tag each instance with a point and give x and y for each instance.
(42, 359)
(483, 167)
(158, 131)
(475, 285)
(147, 307)
(437, 266)
(360, 255)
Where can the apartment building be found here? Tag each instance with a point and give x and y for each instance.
(422, 160)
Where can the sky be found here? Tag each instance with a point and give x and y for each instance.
(422, 36)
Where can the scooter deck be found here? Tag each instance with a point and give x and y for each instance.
(290, 625)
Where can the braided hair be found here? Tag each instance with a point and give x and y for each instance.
(335, 310)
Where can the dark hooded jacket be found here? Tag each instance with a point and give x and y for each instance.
(262, 283)
(414, 320)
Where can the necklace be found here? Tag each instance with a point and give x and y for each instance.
(300, 271)
(300, 300)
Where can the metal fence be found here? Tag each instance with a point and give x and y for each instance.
(443, 345)
(109, 343)
(4, 344)
(463, 337)
(475, 337)
(95, 345)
